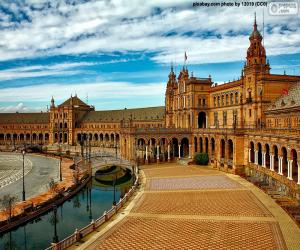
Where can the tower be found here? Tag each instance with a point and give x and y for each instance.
(169, 97)
(256, 54)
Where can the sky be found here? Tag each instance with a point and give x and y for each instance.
(117, 53)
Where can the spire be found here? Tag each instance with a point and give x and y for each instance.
(52, 102)
(255, 25)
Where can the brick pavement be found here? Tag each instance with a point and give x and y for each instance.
(199, 211)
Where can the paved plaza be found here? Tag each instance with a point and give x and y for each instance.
(38, 171)
(197, 208)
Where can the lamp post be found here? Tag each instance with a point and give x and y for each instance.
(55, 238)
(60, 172)
(23, 192)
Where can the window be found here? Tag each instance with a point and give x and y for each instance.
(227, 100)
(249, 112)
(224, 118)
(216, 119)
(222, 100)
(236, 98)
(231, 98)
(215, 103)
(218, 101)
(203, 102)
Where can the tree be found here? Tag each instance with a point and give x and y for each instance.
(53, 186)
(201, 158)
(8, 203)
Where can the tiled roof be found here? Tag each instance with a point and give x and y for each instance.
(24, 118)
(73, 101)
(153, 113)
(291, 100)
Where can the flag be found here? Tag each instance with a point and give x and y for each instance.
(285, 91)
(185, 56)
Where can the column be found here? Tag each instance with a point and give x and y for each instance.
(256, 157)
(298, 163)
(157, 153)
(290, 170)
(206, 121)
(264, 159)
(271, 162)
(280, 165)
(146, 154)
(179, 146)
(190, 151)
(169, 158)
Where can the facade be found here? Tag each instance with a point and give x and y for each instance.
(252, 122)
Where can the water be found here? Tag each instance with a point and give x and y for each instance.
(77, 212)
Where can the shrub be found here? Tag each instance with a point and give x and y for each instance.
(201, 158)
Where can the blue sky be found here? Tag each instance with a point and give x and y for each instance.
(114, 54)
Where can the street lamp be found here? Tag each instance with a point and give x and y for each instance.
(23, 192)
(60, 172)
(55, 238)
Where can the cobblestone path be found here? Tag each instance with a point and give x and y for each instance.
(189, 207)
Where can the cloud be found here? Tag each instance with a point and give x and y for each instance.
(95, 91)
(167, 28)
(20, 107)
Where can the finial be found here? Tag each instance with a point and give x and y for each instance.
(255, 25)
(171, 66)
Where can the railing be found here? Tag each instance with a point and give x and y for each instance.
(78, 234)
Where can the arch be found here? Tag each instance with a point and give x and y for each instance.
(96, 137)
(112, 137)
(200, 144)
(275, 151)
(201, 120)
(46, 137)
(117, 138)
(34, 136)
(21, 137)
(1, 137)
(90, 136)
(15, 137)
(195, 144)
(230, 153)
(267, 151)
(60, 125)
(27, 137)
(213, 147)
(222, 151)
(294, 157)
(66, 125)
(8, 137)
(55, 137)
(184, 147)
(284, 161)
(41, 136)
(79, 137)
(259, 154)
(101, 137)
(60, 138)
(206, 145)
(65, 137)
(106, 137)
(174, 147)
(252, 152)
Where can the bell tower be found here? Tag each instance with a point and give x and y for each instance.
(256, 54)
(169, 97)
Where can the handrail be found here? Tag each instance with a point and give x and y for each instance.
(78, 234)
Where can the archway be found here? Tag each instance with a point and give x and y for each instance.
(212, 140)
(284, 161)
(267, 148)
(259, 154)
(294, 172)
(195, 144)
(185, 147)
(202, 120)
(275, 150)
(21, 137)
(201, 144)
(251, 152)
(222, 151)
(206, 145)
(174, 147)
(65, 137)
(230, 153)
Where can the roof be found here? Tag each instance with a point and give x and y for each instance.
(291, 100)
(152, 113)
(24, 118)
(74, 101)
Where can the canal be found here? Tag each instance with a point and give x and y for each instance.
(90, 203)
